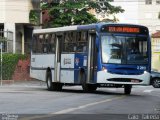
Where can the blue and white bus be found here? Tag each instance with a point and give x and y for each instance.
(96, 55)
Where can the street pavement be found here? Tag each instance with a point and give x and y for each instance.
(30, 100)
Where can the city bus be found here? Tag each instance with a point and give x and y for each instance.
(94, 55)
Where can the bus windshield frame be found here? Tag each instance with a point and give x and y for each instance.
(124, 48)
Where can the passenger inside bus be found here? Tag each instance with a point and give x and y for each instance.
(134, 48)
(133, 52)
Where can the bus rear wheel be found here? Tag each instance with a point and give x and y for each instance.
(127, 89)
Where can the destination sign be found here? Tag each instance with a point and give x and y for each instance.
(125, 29)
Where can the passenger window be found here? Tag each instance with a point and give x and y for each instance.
(69, 44)
(39, 44)
(52, 42)
(75, 42)
(82, 41)
(44, 43)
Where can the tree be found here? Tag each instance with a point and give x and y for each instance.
(34, 17)
(73, 12)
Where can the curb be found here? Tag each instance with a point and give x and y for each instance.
(7, 81)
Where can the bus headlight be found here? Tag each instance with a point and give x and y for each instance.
(104, 69)
(145, 72)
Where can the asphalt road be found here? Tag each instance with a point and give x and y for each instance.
(33, 102)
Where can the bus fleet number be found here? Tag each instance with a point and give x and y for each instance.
(141, 67)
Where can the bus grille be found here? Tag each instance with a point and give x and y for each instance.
(124, 80)
(125, 72)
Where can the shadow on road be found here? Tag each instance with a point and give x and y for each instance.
(100, 92)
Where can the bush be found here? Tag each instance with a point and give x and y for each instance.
(9, 62)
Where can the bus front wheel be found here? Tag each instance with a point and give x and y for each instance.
(51, 85)
(87, 87)
(127, 89)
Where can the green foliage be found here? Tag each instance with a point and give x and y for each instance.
(3, 39)
(9, 62)
(34, 17)
(73, 12)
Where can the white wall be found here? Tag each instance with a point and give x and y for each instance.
(12, 12)
(2, 9)
(148, 15)
(130, 15)
(17, 11)
(137, 12)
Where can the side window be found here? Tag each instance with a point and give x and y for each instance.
(148, 2)
(69, 43)
(40, 44)
(34, 42)
(75, 41)
(158, 2)
(82, 41)
(44, 43)
(52, 43)
(37, 43)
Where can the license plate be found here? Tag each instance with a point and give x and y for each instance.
(135, 81)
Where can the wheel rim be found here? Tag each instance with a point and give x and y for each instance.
(48, 82)
(156, 83)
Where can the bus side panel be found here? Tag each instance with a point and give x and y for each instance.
(80, 63)
(150, 54)
(39, 65)
(67, 68)
(40, 74)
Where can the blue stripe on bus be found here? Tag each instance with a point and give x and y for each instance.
(40, 68)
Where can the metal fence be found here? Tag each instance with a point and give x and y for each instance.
(6, 38)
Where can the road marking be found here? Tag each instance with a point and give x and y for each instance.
(86, 105)
(73, 109)
(147, 91)
(157, 109)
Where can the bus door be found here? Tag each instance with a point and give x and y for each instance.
(59, 38)
(92, 58)
(67, 57)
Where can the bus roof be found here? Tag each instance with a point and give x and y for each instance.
(58, 29)
(79, 27)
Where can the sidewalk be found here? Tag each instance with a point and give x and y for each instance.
(26, 83)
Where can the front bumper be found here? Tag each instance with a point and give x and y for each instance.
(103, 77)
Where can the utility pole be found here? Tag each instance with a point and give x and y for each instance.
(1, 61)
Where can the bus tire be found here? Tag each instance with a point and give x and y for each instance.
(92, 87)
(50, 85)
(87, 87)
(58, 86)
(127, 89)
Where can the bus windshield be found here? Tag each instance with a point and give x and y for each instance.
(124, 49)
